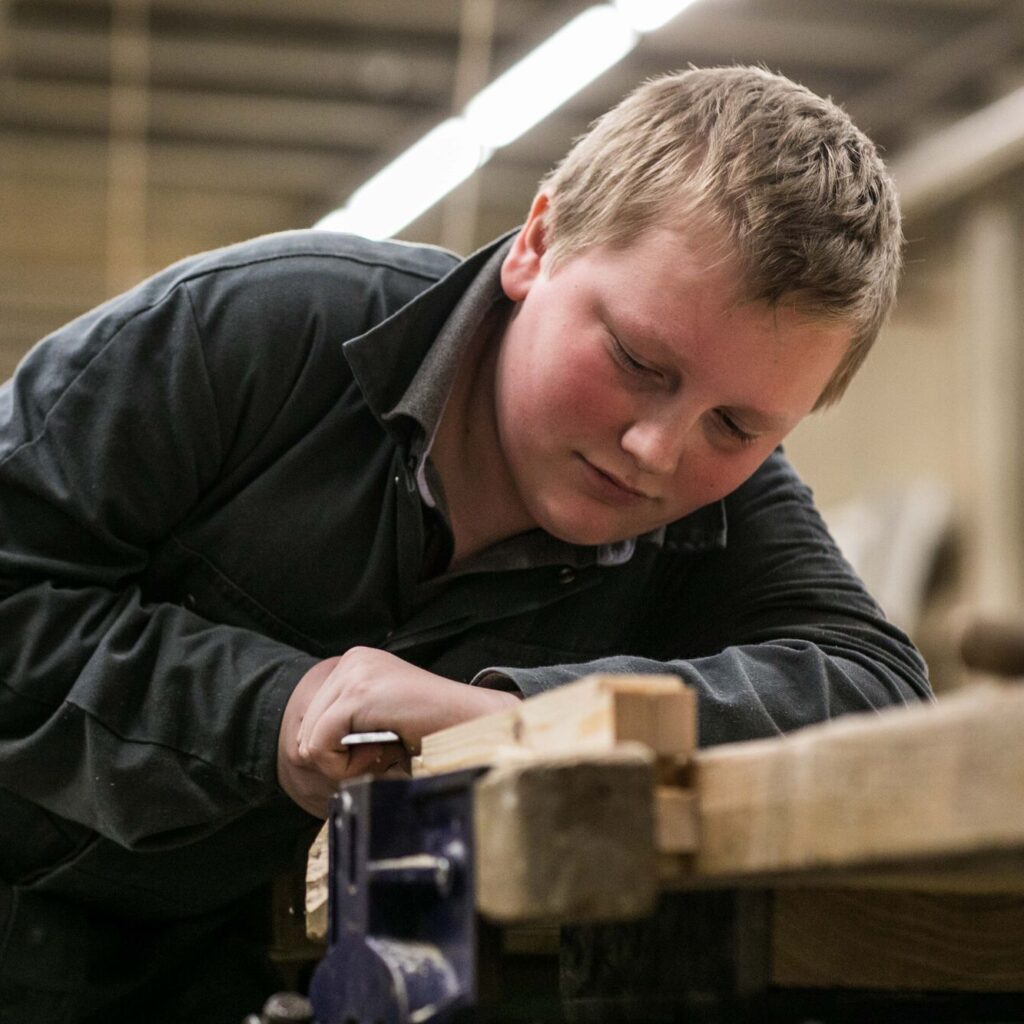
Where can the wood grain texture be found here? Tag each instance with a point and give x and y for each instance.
(676, 823)
(897, 940)
(594, 713)
(600, 711)
(468, 744)
(567, 838)
(316, 886)
(927, 781)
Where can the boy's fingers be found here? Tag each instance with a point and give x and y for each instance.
(365, 759)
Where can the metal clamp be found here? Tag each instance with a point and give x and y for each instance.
(402, 934)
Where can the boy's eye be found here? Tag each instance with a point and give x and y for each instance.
(626, 360)
(734, 430)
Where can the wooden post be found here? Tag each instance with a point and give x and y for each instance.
(567, 838)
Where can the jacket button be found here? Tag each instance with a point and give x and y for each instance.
(566, 574)
(190, 600)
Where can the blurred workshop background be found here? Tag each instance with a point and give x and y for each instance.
(135, 132)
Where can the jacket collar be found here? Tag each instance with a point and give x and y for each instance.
(386, 359)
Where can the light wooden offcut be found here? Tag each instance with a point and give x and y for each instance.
(595, 713)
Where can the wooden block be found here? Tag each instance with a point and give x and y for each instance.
(569, 838)
(675, 820)
(600, 711)
(920, 782)
(595, 713)
(469, 743)
(897, 940)
(316, 886)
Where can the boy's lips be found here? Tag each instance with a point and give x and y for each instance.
(611, 487)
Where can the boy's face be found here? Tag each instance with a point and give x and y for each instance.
(631, 388)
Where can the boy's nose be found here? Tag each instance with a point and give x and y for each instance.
(655, 446)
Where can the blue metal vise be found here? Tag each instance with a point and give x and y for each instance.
(402, 933)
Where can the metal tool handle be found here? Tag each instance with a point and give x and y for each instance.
(358, 739)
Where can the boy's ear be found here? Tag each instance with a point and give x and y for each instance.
(522, 265)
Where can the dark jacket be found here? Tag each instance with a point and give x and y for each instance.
(203, 491)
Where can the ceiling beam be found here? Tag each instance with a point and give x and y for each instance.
(27, 157)
(731, 32)
(341, 124)
(962, 158)
(940, 70)
(429, 17)
(315, 69)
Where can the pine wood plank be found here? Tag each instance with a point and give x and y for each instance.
(594, 713)
(927, 781)
(568, 838)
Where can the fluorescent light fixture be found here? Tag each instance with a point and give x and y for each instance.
(512, 104)
(544, 79)
(647, 15)
(411, 184)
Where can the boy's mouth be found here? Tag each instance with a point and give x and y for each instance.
(611, 487)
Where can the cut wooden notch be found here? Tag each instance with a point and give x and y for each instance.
(676, 823)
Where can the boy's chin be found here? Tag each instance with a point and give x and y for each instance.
(590, 535)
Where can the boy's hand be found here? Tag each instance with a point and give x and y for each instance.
(365, 690)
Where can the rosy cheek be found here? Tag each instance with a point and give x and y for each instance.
(704, 481)
(588, 391)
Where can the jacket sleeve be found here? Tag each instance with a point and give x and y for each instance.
(140, 720)
(786, 633)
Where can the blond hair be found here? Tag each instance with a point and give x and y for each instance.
(796, 193)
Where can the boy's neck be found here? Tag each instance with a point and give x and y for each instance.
(483, 503)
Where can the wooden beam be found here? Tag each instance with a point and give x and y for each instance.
(938, 71)
(205, 114)
(315, 67)
(963, 159)
(568, 839)
(479, 741)
(933, 781)
(731, 33)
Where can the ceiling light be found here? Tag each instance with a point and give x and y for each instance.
(647, 15)
(545, 78)
(412, 183)
(507, 108)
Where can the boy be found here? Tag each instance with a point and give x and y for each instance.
(312, 485)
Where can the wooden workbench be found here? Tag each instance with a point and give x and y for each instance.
(875, 857)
